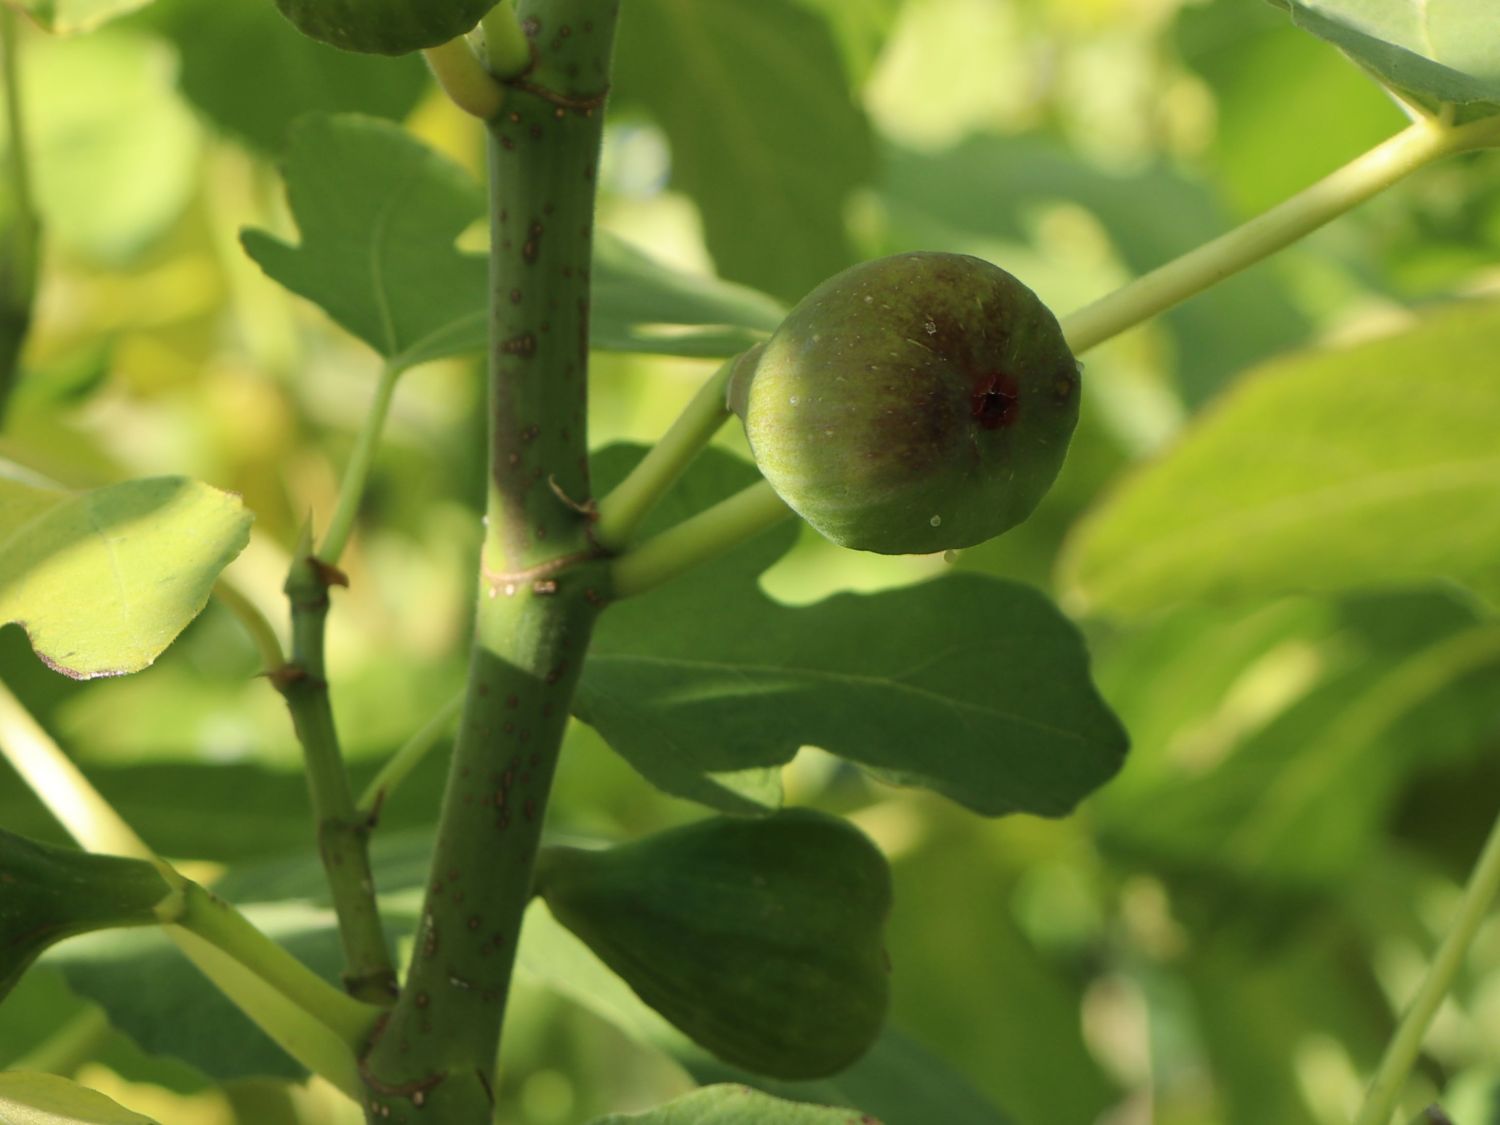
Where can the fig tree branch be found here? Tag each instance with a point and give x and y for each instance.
(541, 581)
(1363, 177)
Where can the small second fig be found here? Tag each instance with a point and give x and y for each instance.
(912, 404)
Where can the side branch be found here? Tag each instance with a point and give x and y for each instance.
(342, 830)
(1364, 176)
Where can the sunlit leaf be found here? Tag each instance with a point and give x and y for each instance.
(1365, 466)
(734, 1105)
(30, 1098)
(1436, 52)
(103, 581)
(973, 687)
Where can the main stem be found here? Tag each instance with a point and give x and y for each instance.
(541, 583)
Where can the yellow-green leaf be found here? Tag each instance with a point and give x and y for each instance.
(102, 581)
(1374, 465)
(30, 1098)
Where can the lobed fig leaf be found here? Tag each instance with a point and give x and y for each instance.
(912, 404)
(761, 939)
(49, 893)
(384, 27)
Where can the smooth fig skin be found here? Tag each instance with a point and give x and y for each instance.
(384, 27)
(916, 403)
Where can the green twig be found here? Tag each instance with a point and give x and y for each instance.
(621, 512)
(695, 540)
(466, 81)
(1401, 1052)
(406, 758)
(20, 240)
(1363, 177)
(343, 832)
(210, 918)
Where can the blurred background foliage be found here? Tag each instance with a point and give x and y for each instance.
(1222, 934)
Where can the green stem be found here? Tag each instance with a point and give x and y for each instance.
(464, 78)
(1401, 1052)
(1363, 177)
(695, 540)
(506, 48)
(621, 512)
(343, 833)
(20, 241)
(357, 471)
(541, 582)
(249, 615)
(290, 1026)
(405, 759)
(210, 918)
(52, 776)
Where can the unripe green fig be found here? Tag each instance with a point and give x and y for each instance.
(48, 893)
(759, 938)
(384, 27)
(911, 404)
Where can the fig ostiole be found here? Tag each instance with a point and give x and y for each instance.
(912, 404)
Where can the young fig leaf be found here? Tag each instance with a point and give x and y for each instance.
(49, 893)
(760, 939)
(912, 404)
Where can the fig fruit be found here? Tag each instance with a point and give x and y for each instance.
(50, 893)
(911, 404)
(384, 27)
(761, 939)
